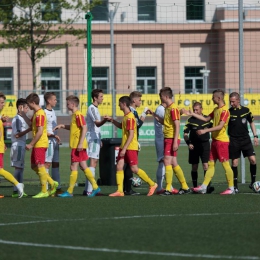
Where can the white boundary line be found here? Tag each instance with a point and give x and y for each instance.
(136, 252)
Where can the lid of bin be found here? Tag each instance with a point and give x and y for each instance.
(116, 141)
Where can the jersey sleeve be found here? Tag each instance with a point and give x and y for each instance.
(250, 117)
(40, 119)
(160, 111)
(211, 114)
(80, 120)
(130, 124)
(92, 113)
(18, 126)
(186, 128)
(175, 114)
(224, 115)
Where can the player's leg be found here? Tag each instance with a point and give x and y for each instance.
(252, 160)
(55, 167)
(194, 174)
(92, 167)
(119, 176)
(194, 161)
(160, 173)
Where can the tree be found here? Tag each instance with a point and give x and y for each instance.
(30, 25)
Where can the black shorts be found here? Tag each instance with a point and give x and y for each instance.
(200, 151)
(238, 145)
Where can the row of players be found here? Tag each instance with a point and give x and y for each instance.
(198, 142)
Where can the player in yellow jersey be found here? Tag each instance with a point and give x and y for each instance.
(78, 145)
(7, 175)
(128, 152)
(220, 142)
(39, 145)
(171, 132)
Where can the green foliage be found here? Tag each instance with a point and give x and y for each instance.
(35, 23)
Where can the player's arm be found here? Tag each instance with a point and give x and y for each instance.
(35, 138)
(82, 136)
(20, 134)
(143, 115)
(191, 113)
(26, 119)
(176, 134)
(61, 126)
(114, 122)
(100, 123)
(157, 117)
(253, 129)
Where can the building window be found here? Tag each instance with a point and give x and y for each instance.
(6, 10)
(51, 82)
(146, 10)
(6, 81)
(193, 80)
(100, 79)
(146, 80)
(195, 9)
(51, 10)
(100, 12)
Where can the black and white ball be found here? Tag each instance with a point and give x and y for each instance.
(256, 186)
(136, 181)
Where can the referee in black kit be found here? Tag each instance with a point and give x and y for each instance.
(199, 146)
(240, 140)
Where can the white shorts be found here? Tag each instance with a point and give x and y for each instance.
(53, 151)
(159, 145)
(17, 154)
(94, 148)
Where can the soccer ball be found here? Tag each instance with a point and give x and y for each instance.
(136, 181)
(256, 186)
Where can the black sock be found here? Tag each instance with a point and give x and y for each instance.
(128, 175)
(234, 169)
(194, 177)
(253, 172)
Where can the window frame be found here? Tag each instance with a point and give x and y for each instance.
(101, 79)
(97, 8)
(143, 14)
(188, 12)
(52, 10)
(146, 78)
(194, 90)
(7, 79)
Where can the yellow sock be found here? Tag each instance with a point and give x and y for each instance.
(120, 180)
(8, 176)
(209, 173)
(43, 178)
(90, 177)
(73, 180)
(168, 177)
(179, 174)
(49, 179)
(229, 174)
(143, 175)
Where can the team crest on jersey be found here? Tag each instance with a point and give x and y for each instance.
(243, 120)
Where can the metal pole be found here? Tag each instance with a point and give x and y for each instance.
(241, 73)
(112, 70)
(89, 18)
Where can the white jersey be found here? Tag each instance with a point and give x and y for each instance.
(93, 115)
(158, 127)
(51, 120)
(18, 125)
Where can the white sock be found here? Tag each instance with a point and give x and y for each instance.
(204, 186)
(18, 174)
(55, 173)
(160, 174)
(88, 186)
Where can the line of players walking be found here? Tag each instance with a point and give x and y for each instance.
(45, 143)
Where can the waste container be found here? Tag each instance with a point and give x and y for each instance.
(7, 133)
(107, 161)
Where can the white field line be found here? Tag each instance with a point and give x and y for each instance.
(136, 252)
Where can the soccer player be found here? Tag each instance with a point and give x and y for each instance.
(128, 152)
(78, 145)
(52, 153)
(7, 175)
(94, 123)
(240, 140)
(171, 122)
(136, 102)
(220, 142)
(199, 146)
(18, 137)
(39, 145)
(159, 146)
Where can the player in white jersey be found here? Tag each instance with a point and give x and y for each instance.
(18, 137)
(52, 153)
(94, 123)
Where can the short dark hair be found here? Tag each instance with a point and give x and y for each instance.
(33, 97)
(166, 91)
(21, 102)
(196, 104)
(2, 95)
(95, 93)
(220, 92)
(73, 99)
(125, 100)
(48, 95)
(234, 94)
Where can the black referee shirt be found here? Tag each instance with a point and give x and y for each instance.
(237, 126)
(192, 125)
